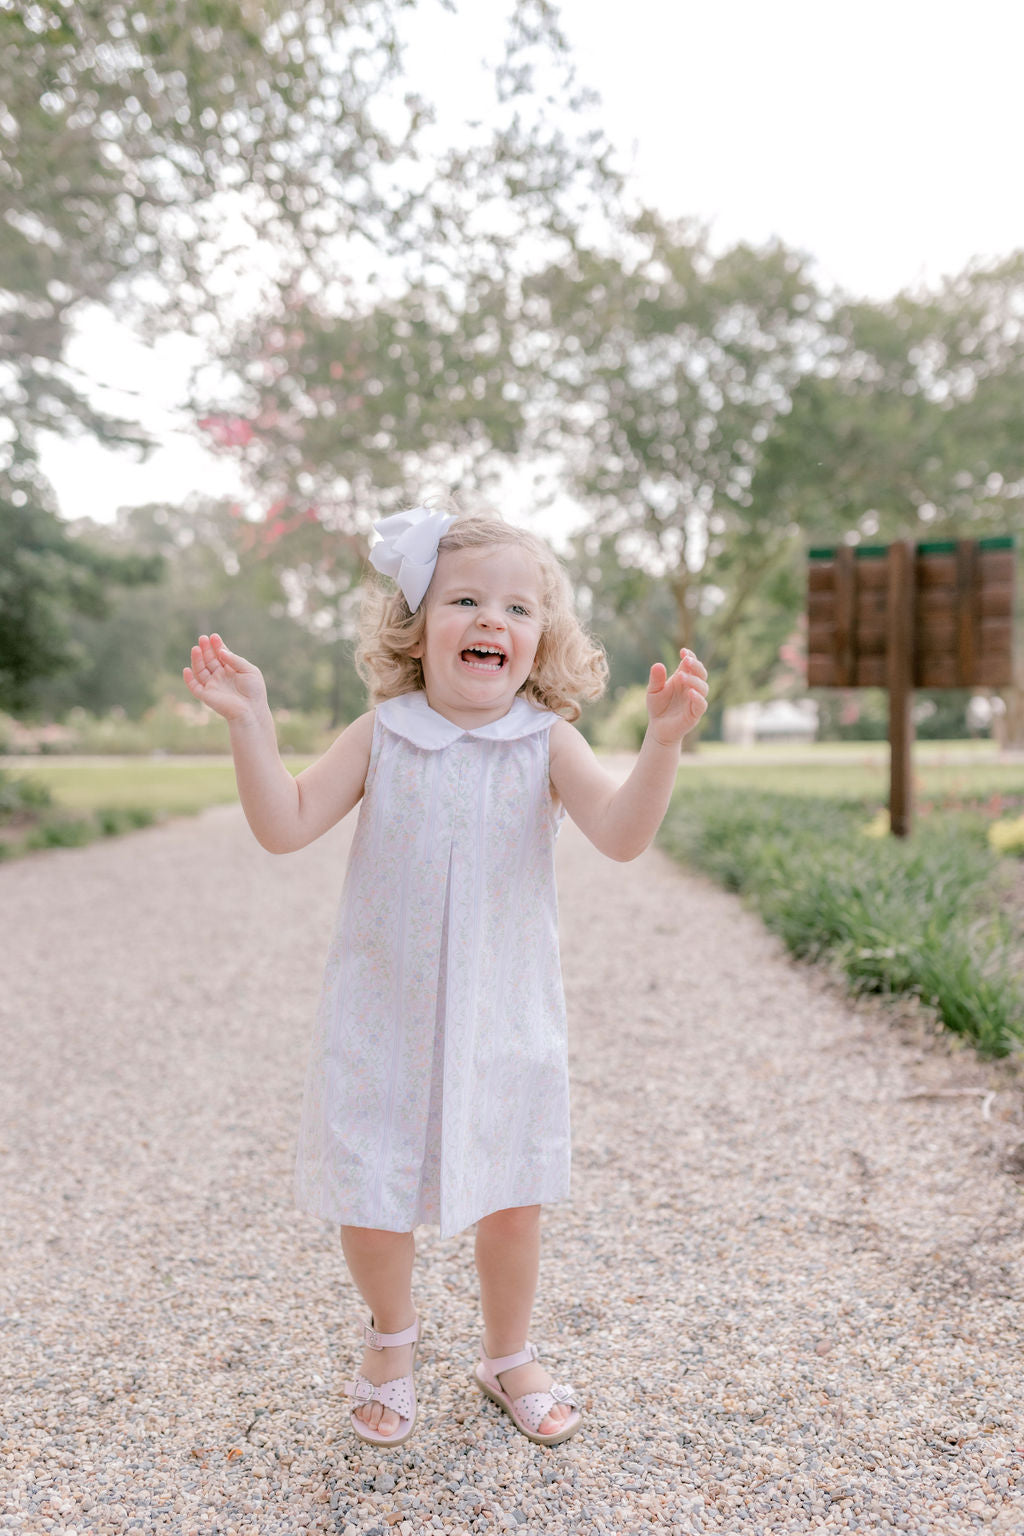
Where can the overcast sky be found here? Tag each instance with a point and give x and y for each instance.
(883, 138)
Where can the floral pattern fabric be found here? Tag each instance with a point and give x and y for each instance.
(437, 1088)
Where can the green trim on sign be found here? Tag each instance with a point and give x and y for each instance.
(861, 552)
(935, 547)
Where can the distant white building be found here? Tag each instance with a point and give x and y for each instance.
(770, 720)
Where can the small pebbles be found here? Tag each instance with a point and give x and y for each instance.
(788, 1287)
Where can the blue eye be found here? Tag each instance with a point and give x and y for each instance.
(465, 601)
(523, 612)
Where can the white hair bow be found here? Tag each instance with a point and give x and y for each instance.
(408, 549)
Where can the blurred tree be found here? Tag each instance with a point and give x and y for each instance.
(911, 428)
(148, 149)
(347, 411)
(217, 575)
(716, 413)
(136, 142)
(358, 391)
(49, 582)
(666, 368)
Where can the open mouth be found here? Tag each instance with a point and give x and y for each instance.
(484, 658)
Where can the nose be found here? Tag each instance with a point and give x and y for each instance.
(491, 618)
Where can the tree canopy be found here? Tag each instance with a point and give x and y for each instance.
(189, 166)
(389, 306)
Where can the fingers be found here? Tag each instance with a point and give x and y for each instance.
(231, 659)
(688, 662)
(690, 674)
(693, 674)
(210, 655)
(689, 667)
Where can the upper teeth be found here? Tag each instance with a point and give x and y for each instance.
(488, 650)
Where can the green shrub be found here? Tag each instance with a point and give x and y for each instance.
(622, 728)
(62, 832)
(113, 820)
(32, 821)
(919, 917)
(19, 796)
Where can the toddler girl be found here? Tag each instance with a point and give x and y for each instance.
(438, 1082)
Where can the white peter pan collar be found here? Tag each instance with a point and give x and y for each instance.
(411, 716)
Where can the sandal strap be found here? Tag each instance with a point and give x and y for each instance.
(375, 1340)
(534, 1407)
(509, 1362)
(397, 1394)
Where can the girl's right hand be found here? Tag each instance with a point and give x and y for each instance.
(227, 683)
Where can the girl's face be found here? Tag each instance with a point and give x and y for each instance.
(483, 626)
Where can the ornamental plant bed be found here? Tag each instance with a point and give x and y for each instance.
(928, 919)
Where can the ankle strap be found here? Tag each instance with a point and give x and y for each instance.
(374, 1340)
(509, 1362)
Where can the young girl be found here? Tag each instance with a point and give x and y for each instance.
(438, 1082)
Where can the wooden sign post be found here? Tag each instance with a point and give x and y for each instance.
(905, 616)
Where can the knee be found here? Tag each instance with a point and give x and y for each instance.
(518, 1223)
(372, 1242)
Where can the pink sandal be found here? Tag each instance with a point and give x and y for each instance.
(399, 1394)
(529, 1411)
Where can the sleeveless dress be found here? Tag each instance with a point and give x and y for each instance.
(437, 1088)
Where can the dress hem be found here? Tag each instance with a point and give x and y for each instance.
(342, 1221)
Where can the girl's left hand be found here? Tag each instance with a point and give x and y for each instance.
(676, 703)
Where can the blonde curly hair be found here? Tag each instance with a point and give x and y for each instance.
(569, 664)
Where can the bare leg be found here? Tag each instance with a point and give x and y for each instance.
(507, 1261)
(380, 1263)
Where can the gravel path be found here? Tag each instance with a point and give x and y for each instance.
(789, 1285)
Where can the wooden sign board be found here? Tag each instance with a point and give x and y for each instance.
(906, 616)
(962, 615)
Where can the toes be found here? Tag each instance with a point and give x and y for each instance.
(374, 1416)
(555, 1419)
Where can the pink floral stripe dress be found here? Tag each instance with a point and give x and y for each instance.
(437, 1088)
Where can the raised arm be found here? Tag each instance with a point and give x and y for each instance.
(284, 812)
(621, 820)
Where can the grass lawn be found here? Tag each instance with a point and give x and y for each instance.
(832, 770)
(857, 770)
(164, 785)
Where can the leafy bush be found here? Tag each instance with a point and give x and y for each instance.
(918, 917)
(19, 796)
(62, 832)
(112, 820)
(622, 728)
(30, 820)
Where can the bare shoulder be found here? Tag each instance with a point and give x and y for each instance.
(566, 739)
(571, 761)
(349, 753)
(361, 729)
